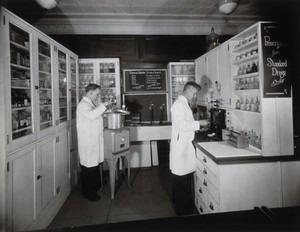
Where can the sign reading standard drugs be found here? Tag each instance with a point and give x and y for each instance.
(277, 82)
(144, 80)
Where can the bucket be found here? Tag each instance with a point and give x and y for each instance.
(115, 120)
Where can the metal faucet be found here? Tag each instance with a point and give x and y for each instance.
(162, 109)
(151, 113)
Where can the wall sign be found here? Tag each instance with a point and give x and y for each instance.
(277, 82)
(141, 80)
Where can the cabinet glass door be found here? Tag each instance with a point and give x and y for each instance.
(21, 92)
(45, 85)
(62, 82)
(107, 74)
(73, 88)
(86, 76)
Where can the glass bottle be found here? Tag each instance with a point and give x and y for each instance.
(238, 104)
(242, 105)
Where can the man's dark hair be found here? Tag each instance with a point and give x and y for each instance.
(91, 87)
(192, 84)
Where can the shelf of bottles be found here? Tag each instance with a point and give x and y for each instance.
(62, 73)
(180, 74)
(45, 85)
(21, 94)
(246, 79)
(73, 88)
(86, 76)
(107, 73)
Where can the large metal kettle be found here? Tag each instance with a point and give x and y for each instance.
(116, 118)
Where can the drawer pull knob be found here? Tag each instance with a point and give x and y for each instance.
(200, 190)
(204, 159)
(204, 183)
(201, 209)
(211, 206)
(205, 171)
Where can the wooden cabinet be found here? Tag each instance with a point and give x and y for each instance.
(21, 183)
(104, 72)
(201, 78)
(213, 74)
(224, 80)
(179, 73)
(233, 187)
(267, 120)
(39, 95)
(290, 183)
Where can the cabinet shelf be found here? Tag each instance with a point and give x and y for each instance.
(254, 74)
(22, 47)
(45, 122)
(250, 58)
(44, 72)
(22, 129)
(247, 112)
(20, 108)
(45, 105)
(246, 46)
(247, 91)
(20, 87)
(20, 66)
(62, 70)
(45, 56)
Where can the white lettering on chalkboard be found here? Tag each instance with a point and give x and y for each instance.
(269, 43)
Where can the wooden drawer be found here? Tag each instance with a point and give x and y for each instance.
(212, 205)
(204, 183)
(200, 205)
(200, 189)
(208, 174)
(209, 163)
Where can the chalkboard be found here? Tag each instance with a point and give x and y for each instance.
(141, 80)
(140, 104)
(275, 53)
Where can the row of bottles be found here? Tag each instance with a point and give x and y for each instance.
(108, 81)
(253, 138)
(247, 83)
(20, 58)
(246, 41)
(20, 99)
(108, 95)
(107, 67)
(18, 36)
(246, 54)
(21, 120)
(85, 80)
(252, 105)
(250, 68)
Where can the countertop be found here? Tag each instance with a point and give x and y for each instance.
(223, 153)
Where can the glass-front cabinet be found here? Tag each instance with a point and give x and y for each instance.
(179, 74)
(86, 75)
(73, 86)
(104, 72)
(45, 81)
(62, 87)
(20, 82)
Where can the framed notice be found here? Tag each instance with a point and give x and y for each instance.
(145, 80)
(275, 55)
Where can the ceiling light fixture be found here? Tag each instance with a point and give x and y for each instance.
(227, 6)
(47, 4)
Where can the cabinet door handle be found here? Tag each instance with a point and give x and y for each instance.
(211, 206)
(204, 159)
(204, 183)
(38, 177)
(205, 171)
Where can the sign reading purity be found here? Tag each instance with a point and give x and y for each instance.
(277, 82)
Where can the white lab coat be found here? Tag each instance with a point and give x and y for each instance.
(89, 124)
(182, 151)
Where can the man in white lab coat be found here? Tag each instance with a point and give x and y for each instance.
(89, 124)
(182, 151)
